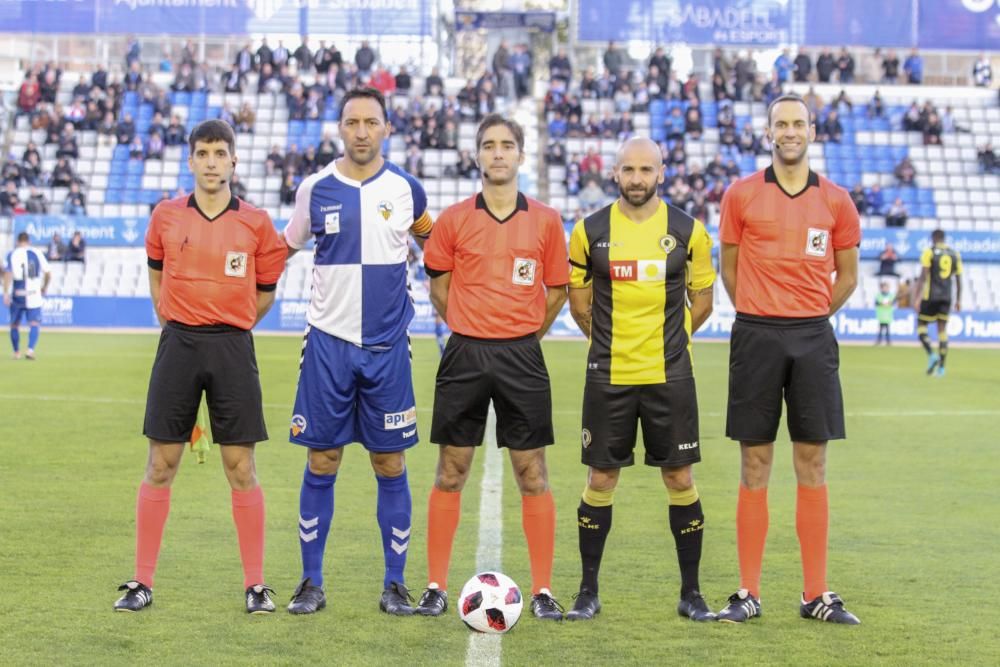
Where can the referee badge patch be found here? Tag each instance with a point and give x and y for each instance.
(524, 271)
(236, 264)
(816, 242)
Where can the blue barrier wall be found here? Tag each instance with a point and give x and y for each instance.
(290, 316)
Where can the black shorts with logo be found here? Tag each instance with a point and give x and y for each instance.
(931, 311)
(795, 359)
(668, 413)
(218, 360)
(510, 372)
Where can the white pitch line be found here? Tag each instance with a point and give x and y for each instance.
(484, 650)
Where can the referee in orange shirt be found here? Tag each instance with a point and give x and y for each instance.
(784, 231)
(214, 263)
(499, 271)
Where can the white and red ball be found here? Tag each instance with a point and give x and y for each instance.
(490, 602)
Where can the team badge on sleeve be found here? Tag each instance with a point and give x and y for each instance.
(298, 424)
(524, 271)
(236, 264)
(816, 242)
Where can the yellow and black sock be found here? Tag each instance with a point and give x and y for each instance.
(594, 521)
(687, 523)
(922, 335)
(942, 343)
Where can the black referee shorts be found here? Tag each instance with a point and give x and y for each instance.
(218, 360)
(510, 372)
(798, 359)
(668, 413)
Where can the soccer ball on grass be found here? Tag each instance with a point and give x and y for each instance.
(490, 602)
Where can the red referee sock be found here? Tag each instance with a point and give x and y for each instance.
(248, 514)
(151, 509)
(538, 518)
(751, 534)
(812, 524)
(444, 508)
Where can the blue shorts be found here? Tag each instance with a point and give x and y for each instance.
(17, 311)
(348, 394)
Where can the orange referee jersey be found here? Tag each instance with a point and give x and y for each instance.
(787, 243)
(499, 268)
(213, 267)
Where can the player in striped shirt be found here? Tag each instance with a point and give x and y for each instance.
(354, 382)
(25, 279)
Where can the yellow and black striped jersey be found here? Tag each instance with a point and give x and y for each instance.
(943, 264)
(640, 274)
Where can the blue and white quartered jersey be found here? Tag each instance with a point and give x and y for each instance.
(27, 267)
(359, 277)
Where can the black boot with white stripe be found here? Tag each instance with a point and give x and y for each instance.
(137, 597)
(828, 607)
(741, 608)
(259, 599)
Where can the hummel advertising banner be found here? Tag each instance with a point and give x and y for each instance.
(289, 315)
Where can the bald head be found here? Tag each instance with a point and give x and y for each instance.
(639, 171)
(638, 149)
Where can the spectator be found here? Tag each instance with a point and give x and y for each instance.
(842, 103)
(982, 71)
(48, 85)
(613, 59)
(303, 56)
(107, 130)
(591, 175)
(890, 67)
(264, 55)
(133, 51)
(326, 153)
(904, 294)
(833, 129)
(876, 200)
(99, 79)
(897, 214)
(75, 204)
(988, 160)
(555, 153)
(876, 107)
(275, 161)
(560, 67)
(772, 89)
(28, 96)
(67, 143)
(245, 119)
(76, 251)
(592, 158)
(280, 55)
(721, 64)
(37, 202)
(591, 196)
(323, 59)
(12, 171)
(10, 201)
(403, 81)
(746, 71)
(859, 198)
(365, 58)
(913, 67)
(449, 135)
(693, 125)
(238, 188)
(288, 188)
(125, 130)
(434, 84)
(887, 262)
(825, 66)
(933, 130)
(133, 77)
(521, 64)
(845, 66)
(802, 66)
(783, 66)
(154, 151)
(715, 193)
(383, 81)
(905, 173)
(175, 134)
(232, 81)
(414, 162)
(136, 150)
(62, 174)
(307, 165)
(675, 124)
(720, 89)
(466, 166)
(912, 121)
(55, 251)
(164, 196)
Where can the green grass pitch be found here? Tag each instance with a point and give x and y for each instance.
(915, 526)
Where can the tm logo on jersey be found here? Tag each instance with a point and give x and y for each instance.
(642, 270)
(397, 420)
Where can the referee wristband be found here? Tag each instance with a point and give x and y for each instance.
(156, 264)
(267, 288)
(434, 273)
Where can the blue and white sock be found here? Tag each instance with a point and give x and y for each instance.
(315, 516)
(394, 512)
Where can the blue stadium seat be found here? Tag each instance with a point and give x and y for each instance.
(130, 98)
(833, 164)
(113, 195)
(927, 210)
(314, 126)
(119, 168)
(120, 153)
(899, 152)
(199, 100)
(869, 165)
(182, 98)
(135, 167)
(886, 165)
(150, 196)
(142, 125)
(658, 133)
(197, 114)
(296, 127)
(133, 182)
(925, 195)
(131, 196)
(657, 107)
